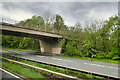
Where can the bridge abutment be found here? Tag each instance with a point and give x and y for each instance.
(50, 46)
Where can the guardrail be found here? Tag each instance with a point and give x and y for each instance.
(67, 68)
(45, 70)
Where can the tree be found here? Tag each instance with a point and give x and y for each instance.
(36, 22)
(59, 24)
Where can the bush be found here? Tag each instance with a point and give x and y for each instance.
(110, 55)
(100, 55)
(71, 49)
(116, 57)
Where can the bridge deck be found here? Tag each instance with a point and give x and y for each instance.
(10, 29)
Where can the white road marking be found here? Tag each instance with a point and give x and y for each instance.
(40, 56)
(56, 59)
(97, 65)
(10, 73)
(111, 67)
(115, 73)
(62, 59)
(86, 63)
(94, 64)
(43, 56)
(100, 65)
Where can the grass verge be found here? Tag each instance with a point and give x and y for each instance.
(29, 73)
(93, 59)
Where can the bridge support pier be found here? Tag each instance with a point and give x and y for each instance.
(50, 46)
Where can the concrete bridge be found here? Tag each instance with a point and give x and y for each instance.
(48, 41)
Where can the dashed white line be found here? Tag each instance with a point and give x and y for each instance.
(40, 56)
(100, 65)
(43, 56)
(111, 67)
(97, 65)
(115, 73)
(56, 59)
(62, 59)
(53, 58)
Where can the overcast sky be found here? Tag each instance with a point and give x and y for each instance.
(71, 12)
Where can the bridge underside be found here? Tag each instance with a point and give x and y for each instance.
(48, 44)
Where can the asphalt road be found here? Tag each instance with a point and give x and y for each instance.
(108, 69)
(8, 76)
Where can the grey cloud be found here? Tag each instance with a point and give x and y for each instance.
(70, 11)
(60, 0)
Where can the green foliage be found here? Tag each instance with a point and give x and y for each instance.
(59, 24)
(116, 57)
(88, 49)
(96, 40)
(71, 48)
(36, 22)
(100, 55)
(23, 71)
(20, 42)
(113, 53)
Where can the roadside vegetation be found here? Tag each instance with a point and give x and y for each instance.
(98, 40)
(28, 73)
(60, 70)
(91, 59)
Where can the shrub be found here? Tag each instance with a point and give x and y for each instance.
(100, 55)
(110, 55)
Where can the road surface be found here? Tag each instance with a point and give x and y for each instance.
(8, 76)
(107, 69)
